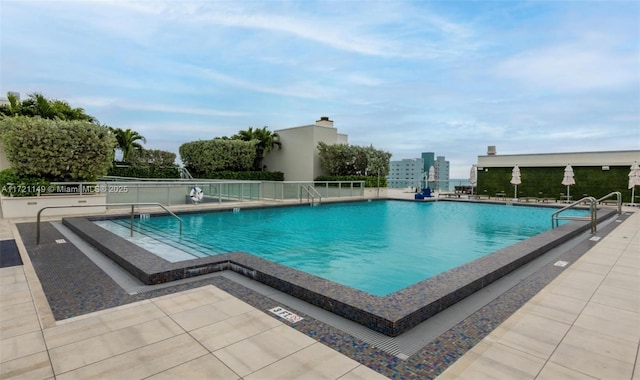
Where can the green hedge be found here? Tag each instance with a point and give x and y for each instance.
(369, 181)
(15, 185)
(547, 182)
(245, 176)
(57, 150)
(141, 172)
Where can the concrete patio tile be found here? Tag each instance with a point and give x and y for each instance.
(362, 372)
(21, 345)
(553, 371)
(15, 287)
(232, 330)
(610, 321)
(258, 351)
(575, 291)
(591, 267)
(316, 361)
(36, 366)
(577, 277)
(233, 306)
(596, 354)
(530, 333)
(88, 351)
(601, 256)
(17, 310)
(630, 260)
(612, 296)
(142, 362)
(8, 299)
(12, 275)
(555, 306)
(19, 325)
(200, 316)
(624, 281)
(190, 299)
(102, 322)
(493, 361)
(204, 367)
(142, 312)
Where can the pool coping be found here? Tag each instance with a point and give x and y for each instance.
(391, 315)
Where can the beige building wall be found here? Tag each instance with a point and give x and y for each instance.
(612, 158)
(299, 159)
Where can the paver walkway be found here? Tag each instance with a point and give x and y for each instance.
(584, 325)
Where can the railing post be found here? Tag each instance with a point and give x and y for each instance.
(131, 221)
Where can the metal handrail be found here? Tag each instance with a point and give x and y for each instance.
(618, 200)
(105, 205)
(593, 211)
(313, 193)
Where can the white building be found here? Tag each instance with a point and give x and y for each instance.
(299, 157)
(576, 159)
(406, 173)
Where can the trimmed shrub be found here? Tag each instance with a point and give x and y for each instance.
(209, 156)
(57, 150)
(14, 185)
(144, 172)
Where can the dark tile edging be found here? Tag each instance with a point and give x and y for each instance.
(390, 315)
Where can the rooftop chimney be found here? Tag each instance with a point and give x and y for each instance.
(324, 122)
(491, 150)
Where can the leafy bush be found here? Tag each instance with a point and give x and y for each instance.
(144, 172)
(152, 157)
(208, 156)
(369, 181)
(344, 159)
(13, 185)
(57, 150)
(246, 176)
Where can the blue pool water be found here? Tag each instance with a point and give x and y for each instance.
(378, 247)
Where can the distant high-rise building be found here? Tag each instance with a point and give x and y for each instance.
(405, 173)
(413, 172)
(442, 173)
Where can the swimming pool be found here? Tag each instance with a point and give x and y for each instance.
(378, 247)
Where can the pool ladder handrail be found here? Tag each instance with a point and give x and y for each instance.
(618, 196)
(106, 205)
(593, 211)
(312, 193)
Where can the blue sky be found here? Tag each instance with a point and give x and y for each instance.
(449, 77)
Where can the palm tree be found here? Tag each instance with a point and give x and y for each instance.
(127, 142)
(13, 108)
(37, 104)
(266, 141)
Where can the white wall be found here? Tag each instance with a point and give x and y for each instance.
(299, 159)
(613, 158)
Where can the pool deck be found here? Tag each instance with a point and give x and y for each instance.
(584, 324)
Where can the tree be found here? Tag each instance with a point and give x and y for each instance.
(37, 104)
(13, 108)
(346, 160)
(126, 141)
(266, 141)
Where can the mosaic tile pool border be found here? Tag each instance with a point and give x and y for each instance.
(390, 315)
